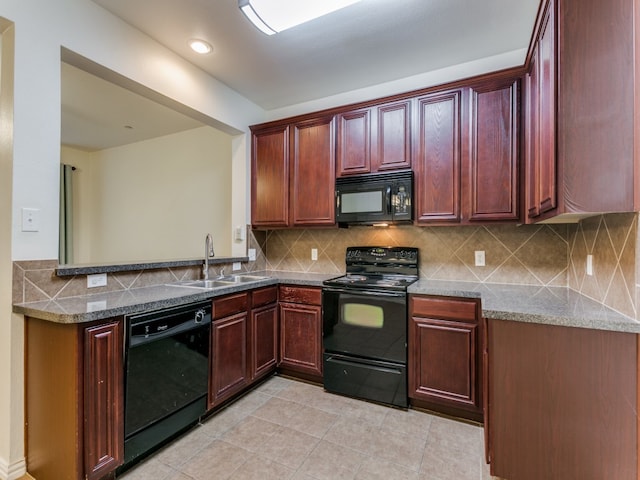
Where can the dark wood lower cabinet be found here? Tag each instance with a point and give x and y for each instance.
(103, 399)
(444, 355)
(228, 357)
(562, 402)
(264, 340)
(244, 341)
(74, 399)
(301, 330)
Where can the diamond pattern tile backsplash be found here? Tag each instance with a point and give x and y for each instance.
(612, 240)
(551, 255)
(521, 255)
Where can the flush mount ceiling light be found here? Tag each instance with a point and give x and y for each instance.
(200, 46)
(273, 16)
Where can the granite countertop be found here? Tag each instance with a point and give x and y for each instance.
(522, 303)
(99, 306)
(559, 306)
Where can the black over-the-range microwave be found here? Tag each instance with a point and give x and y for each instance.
(375, 199)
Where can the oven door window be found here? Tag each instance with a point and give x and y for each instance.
(362, 315)
(369, 326)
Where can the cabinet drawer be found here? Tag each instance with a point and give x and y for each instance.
(230, 304)
(448, 309)
(263, 296)
(306, 295)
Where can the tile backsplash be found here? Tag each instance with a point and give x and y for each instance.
(612, 241)
(36, 280)
(545, 255)
(534, 255)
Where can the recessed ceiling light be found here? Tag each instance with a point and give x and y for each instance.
(200, 46)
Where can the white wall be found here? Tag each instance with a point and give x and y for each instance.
(153, 200)
(42, 27)
(437, 77)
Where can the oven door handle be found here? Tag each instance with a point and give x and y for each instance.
(369, 293)
(375, 364)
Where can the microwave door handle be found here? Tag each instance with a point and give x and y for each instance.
(389, 202)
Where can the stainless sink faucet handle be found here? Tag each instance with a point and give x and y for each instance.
(208, 253)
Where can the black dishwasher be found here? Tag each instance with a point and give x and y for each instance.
(166, 375)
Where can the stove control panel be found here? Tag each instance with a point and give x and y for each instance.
(384, 254)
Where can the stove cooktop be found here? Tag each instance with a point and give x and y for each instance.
(379, 267)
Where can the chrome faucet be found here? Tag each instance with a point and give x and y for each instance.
(208, 253)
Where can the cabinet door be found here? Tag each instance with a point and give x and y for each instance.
(301, 337)
(540, 115)
(228, 357)
(494, 153)
(391, 136)
(546, 182)
(103, 399)
(313, 163)
(354, 142)
(444, 358)
(270, 177)
(437, 160)
(264, 340)
(531, 134)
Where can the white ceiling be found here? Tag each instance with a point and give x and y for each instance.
(365, 44)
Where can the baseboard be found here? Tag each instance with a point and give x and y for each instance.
(13, 471)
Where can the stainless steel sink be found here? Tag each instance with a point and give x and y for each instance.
(204, 284)
(218, 282)
(242, 278)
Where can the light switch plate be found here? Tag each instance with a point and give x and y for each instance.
(314, 254)
(236, 266)
(30, 220)
(480, 258)
(252, 254)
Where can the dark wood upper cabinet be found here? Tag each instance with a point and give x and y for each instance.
(495, 152)
(354, 142)
(540, 114)
(437, 161)
(285, 158)
(391, 142)
(583, 76)
(374, 139)
(270, 177)
(312, 162)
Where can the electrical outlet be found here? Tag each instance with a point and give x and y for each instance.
(236, 266)
(97, 280)
(252, 254)
(589, 264)
(314, 254)
(96, 306)
(480, 258)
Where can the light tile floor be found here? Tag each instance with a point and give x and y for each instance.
(286, 429)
